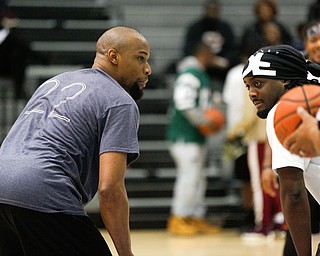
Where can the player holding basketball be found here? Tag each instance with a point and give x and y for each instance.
(268, 74)
(191, 96)
(77, 134)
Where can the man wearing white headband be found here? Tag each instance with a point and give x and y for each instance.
(269, 73)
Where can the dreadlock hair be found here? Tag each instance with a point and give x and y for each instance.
(295, 83)
(314, 70)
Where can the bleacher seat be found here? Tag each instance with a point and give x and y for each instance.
(64, 32)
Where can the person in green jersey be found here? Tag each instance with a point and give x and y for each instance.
(191, 96)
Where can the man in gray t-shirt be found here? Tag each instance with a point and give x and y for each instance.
(75, 136)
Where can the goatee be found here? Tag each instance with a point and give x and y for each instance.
(263, 113)
(135, 92)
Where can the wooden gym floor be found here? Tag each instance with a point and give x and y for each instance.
(226, 243)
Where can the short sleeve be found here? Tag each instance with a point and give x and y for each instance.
(119, 131)
(281, 157)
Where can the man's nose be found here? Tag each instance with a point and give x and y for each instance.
(148, 69)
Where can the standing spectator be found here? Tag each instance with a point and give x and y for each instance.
(8, 19)
(314, 11)
(191, 96)
(15, 52)
(312, 41)
(212, 30)
(267, 209)
(76, 135)
(298, 39)
(264, 11)
(271, 33)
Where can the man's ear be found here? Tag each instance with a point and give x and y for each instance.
(113, 56)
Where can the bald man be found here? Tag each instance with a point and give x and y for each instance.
(76, 135)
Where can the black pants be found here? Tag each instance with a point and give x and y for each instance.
(26, 232)
(315, 214)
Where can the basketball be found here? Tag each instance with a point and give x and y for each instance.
(286, 119)
(216, 117)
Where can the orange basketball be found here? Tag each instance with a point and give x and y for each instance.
(286, 119)
(216, 116)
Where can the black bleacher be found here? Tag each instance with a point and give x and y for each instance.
(150, 106)
(59, 34)
(153, 159)
(152, 131)
(60, 12)
(49, 25)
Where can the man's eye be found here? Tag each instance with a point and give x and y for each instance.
(257, 84)
(313, 40)
(141, 58)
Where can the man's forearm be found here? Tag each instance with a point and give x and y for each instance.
(114, 209)
(297, 215)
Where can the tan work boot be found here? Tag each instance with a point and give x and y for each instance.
(204, 227)
(181, 226)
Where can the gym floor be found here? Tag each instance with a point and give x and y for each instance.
(226, 243)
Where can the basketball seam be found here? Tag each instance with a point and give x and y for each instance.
(293, 113)
(306, 99)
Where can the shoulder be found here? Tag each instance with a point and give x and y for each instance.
(281, 157)
(269, 123)
(189, 78)
(105, 91)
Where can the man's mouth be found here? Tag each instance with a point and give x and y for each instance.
(317, 55)
(257, 103)
(142, 83)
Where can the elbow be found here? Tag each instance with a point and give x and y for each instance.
(105, 191)
(292, 185)
(111, 192)
(294, 196)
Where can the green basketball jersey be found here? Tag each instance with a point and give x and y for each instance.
(191, 90)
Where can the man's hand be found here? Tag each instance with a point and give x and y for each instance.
(269, 181)
(305, 140)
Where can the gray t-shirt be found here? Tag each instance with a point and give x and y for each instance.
(49, 161)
